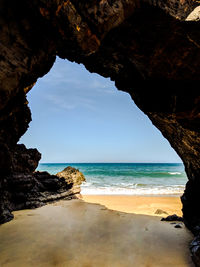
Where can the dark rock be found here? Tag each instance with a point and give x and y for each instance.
(25, 160)
(195, 250)
(141, 45)
(5, 215)
(145, 46)
(32, 190)
(173, 217)
(191, 211)
(177, 226)
(196, 230)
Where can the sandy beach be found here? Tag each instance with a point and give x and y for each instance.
(147, 205)
(78, 234)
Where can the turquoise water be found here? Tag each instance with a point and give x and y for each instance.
(127, 178)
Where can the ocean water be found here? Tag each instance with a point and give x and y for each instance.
(126, 178)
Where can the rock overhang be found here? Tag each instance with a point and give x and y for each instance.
(150, 48)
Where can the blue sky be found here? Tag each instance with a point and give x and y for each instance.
(79, 116)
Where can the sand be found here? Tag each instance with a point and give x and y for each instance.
(147, 205)
(80, 234)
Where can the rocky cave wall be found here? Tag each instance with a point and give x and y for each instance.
(146, 46)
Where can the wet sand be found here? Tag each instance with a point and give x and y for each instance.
(147, 205)
(79, 234)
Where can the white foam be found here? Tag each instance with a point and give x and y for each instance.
(159, 190)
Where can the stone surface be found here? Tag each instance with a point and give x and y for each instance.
(31, 190)
(195, 250)
(172, 218)
(25, 160)
(145, 46)
(177, 226)
(194, 15)
(72, 175)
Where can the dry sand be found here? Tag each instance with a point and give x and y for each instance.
(79, 234)
(147, 205)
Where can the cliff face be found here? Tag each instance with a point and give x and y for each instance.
(145, 46)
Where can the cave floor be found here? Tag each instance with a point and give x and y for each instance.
(79, 234)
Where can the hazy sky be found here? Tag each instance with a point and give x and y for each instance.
(81, 117)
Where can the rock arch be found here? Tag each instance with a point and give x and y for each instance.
(145, 46)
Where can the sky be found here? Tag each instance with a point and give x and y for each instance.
(78, 116)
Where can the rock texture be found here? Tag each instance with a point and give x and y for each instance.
(72, 175)
(27, 189)
(150, 48)
(172, 218)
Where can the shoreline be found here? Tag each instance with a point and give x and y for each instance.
(129, 195)
(139, 204)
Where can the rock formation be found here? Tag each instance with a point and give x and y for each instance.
(72, 175)
(150, 48)
(24, 189)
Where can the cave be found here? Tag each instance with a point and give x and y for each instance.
(150, 49)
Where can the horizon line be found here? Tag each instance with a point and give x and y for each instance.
(111, 162)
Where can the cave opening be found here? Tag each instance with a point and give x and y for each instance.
(146, 47)
(80, 118)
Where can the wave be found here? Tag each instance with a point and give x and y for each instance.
(121, 170)
(127, 179)
(175, 173)
(160, 190)
(132, 174)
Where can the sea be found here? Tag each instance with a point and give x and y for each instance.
(127, 178)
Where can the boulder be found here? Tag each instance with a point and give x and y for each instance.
(72, 175)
